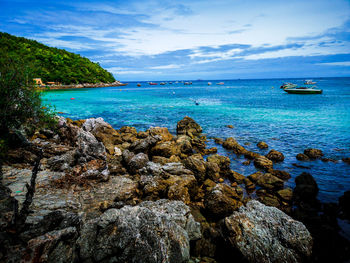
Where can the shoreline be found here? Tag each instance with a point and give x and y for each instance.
(81, 86)
(92, 172)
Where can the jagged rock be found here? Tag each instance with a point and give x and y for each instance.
(266, 234)
(231, 144)
(54, 246)
(222, 200)
(212, 171)
(236, 177)
(313, 153)
(137, 162)
(151, 232)
(249, 185)
(176, 169)
(187, 126)
(88, 147)
(181, 188)
(128, 134)
(183, 142)
(346, 160)
(165, 149)
(262, 145)
(263, 163)
(127, 156)
(267, 181)
(162, 132)
(62, 162)
(306, 188)
(196, 164)
(275, 156)
(222, 161)
(302, 157)
(144, 145)
(163, 160)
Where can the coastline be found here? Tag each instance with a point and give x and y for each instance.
(95, 174)
(81, 86)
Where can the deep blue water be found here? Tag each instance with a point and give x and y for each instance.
(258, 110)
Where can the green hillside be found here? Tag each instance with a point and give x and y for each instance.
(52, 64)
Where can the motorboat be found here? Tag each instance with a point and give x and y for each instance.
(309, 82)
(152, 83)
(288, 85)
(162, 83)
(220, 83)
(209, 83)
(303, 90)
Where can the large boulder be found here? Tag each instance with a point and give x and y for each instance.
(266, 234)
(158, 231)
(313, 153)
(145, 144)
(184, 144)
(165, 149)
(275, 156)
(137, 162)
(222, 200)
(231, 144)
(187, 126)
(267, 181)
(163, 132)
(222, 161)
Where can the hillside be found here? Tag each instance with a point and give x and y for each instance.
(52, 64)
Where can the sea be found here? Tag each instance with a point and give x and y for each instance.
(258, 110)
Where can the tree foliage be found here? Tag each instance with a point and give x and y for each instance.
(52, 64)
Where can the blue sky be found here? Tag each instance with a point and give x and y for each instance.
(168, 40)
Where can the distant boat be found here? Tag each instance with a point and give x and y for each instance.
(209, 83)
(303, 90)
(152, 83)
(288, 85)
(138, 84)
(309, 82)
(162, 83)
(170, 82)
(220, 83)
(188, 83)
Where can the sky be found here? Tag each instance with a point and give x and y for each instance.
(198, 39)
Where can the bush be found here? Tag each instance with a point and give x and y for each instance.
(20, 102)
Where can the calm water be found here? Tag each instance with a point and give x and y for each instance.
(258, 109)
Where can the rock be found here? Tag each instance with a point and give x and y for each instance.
(249, 185)
(313, 153)
(151, 232)
(145, 144)
(127, 156)
(218, 141)
(197, 165)
(142, 134)
(280, 174)
(209, 151)
(262, 145)
(266, 234)
(286, 194)
(230, 126)
(88, 147)
(187, 126)
(236, 177)
(344, 203)
(103, 133)
(128, 134)
(20, 155)
(221, 201)
(231, 144)
(165, 149)
(246, 162)
(268, 198)
(302, 157)
(263, 163)
(275, 156)
(176, 169)
(182, 188)
(213, 171)
(326, 160)
(62, 162)
(306, 188)
(54, 246)
(346, 160)
(162, 132)
(183, 142)
(222, 161)
(267, 181)
(251, 155)
(137, 162)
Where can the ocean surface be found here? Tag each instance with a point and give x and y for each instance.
(258, 109)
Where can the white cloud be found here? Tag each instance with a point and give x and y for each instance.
(170, 66)
(344, 63)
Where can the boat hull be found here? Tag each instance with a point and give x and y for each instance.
(303, 91)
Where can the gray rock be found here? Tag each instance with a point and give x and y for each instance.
(145, 144)
(94, 123)
(62, 162)
(151, 232)
(266, 234)
(137, 162)
(89, 147)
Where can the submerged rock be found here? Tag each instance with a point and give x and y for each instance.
(266, 234)
(158, 231)
(313, 153)
(263, 163)
(275, 156)
(262, 145)
(231, 144)
(302, 157)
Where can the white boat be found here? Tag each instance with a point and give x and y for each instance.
(303, 90)
(220, 83)
(209, 83)
(309, 82)
(288, 85)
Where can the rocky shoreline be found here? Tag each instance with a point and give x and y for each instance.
(106, 195)
(83, 85)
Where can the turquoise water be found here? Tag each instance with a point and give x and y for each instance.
(258, 110)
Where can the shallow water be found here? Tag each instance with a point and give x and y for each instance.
(258, 110)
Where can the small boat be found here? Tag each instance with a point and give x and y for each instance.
(209, 83)
(152, 83)
(138, 84)
(162, 83)
(303, 90)
(220, 83)
(170, 82)
(309, 82)
(288, 85)
(188, 83)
